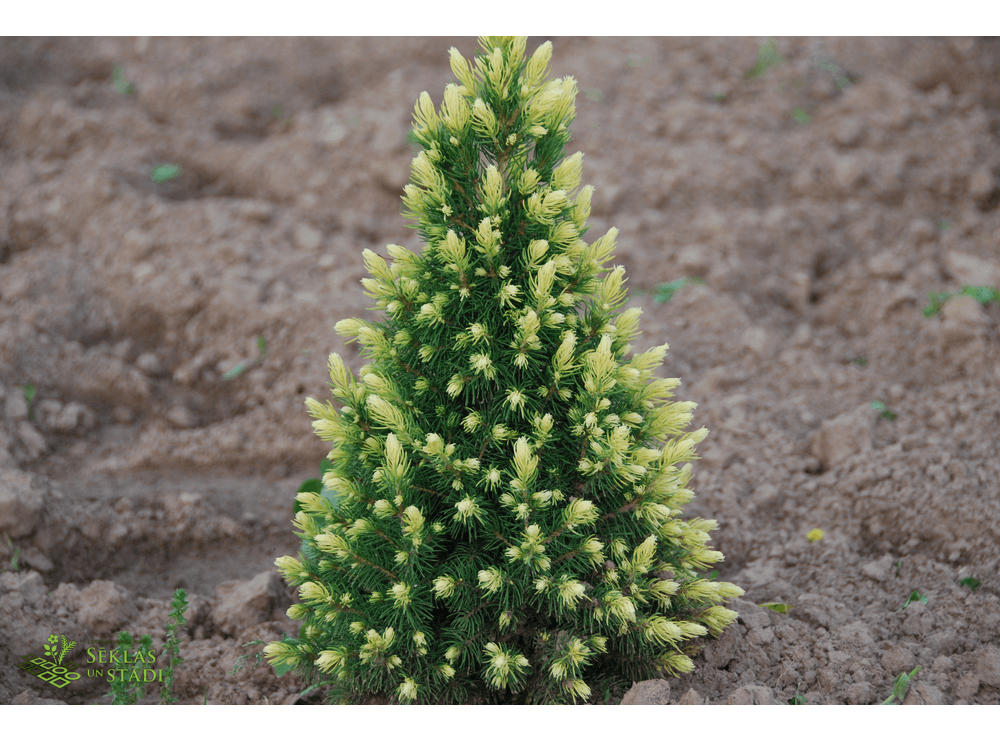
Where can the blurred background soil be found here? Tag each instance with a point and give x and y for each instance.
(170, 323)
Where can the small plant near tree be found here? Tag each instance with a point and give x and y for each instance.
(130, 661)
(171, 647)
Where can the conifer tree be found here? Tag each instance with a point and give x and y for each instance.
(499, 518)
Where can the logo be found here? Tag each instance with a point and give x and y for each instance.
(130, 665)
(50, 668)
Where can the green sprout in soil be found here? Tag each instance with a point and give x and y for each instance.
(130, 662)
(768, 58)
(122, 85)
(243, 366)
(860, 360)
(665, 291)
(838, 73)
(592, 93)
(171, 648)
(29, 396)
(637, 61)
(775, 606)
(972, 583)
(900, 686)
(165, 173)
(14, 566)
(241, 661)
(800, 115)
(899, 567)
(279, 115)
(798, 698)
(944, 226)
(984, 294)
(719, 97)
(885, 412)
(815, 535)
(915, 596)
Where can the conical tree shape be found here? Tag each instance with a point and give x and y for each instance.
(500, 516)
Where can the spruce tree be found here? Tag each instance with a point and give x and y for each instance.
(498, 520)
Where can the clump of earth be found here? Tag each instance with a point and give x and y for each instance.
(182, 222)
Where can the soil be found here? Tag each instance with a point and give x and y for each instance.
(819, 202)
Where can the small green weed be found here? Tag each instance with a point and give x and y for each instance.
(592, 93)
(798, 698)
(175, 620)
(800, 115)
(243, 366)
(775, 606)
(972, 583)
(637, 61)
(165, 173)
(665, 291)
(15, 557)
(915, 596)
(815, 535)
(241, 661)
(29, 396)
(984, 294)
(130, 661)
(860, 361)
(768, 58)
(900, 686)
(127, 685)
(280, 116)
(885, 412)
(122, 85)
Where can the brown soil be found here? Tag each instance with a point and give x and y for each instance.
(819, 203)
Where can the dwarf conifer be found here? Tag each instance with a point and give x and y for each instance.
(499, 520)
